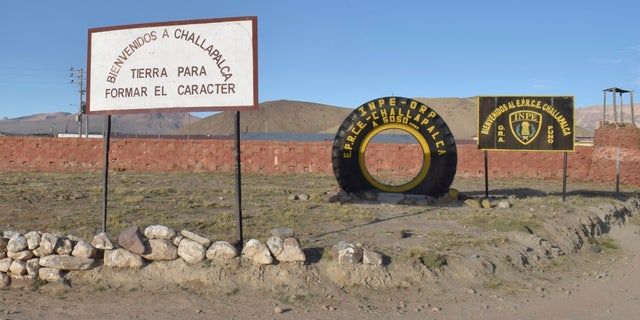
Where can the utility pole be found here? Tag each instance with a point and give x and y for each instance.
(79, 74)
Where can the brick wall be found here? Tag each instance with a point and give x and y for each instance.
(608, 143)
(587, 163)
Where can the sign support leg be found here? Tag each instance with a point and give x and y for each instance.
(239, 242)
(105, 170)
(486, 175)
(564, 179)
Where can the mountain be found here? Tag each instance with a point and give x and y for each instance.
(64, 122)
(590, 117)
(460, 114)
(278, 116)
(273, 116)
(307, 117)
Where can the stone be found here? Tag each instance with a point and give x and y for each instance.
(304, 197)
(159, 232)
(101, 241)
(222, 250)
(18, 267)
(65, 246)
(5, 280)
(371, 258)
(416, 199)
(195, 237)
(390, 197)
(50, 274)
(454, 193)
(3, 243)
(191, 251)
(5, 264)
(55, 287)
(33, 239)
(344, 196)
(177, 239)
(344, 252)
(121, 258)
(48, 244)
(258, 252)
(292, 251)
(448, 200)
(22, 281)
(83, 249)
(17, 243)
(33, 267)
(131, 239)
(67, 262)
(402, 234)
(431, 200)
(275, 245)
(160, 249)
(74, 239)
(474, 203)
(370, 195)
(9, 233)
(331, 197)
(282, 232)
(20, 255)
(40, 252)
(486, 203)
(504, 204)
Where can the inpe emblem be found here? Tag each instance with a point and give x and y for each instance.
(525, 125)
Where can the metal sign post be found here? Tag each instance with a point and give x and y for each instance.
(105, 170)
(486, 174)
(564, 179)
(239, 240)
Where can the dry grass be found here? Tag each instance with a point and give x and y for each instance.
(71, 203)
(205, 203)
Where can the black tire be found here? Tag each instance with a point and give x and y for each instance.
(425, 125)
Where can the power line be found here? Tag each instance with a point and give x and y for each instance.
(31, 75)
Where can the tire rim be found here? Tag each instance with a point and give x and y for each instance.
(412, 183)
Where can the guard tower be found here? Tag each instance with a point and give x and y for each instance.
(615, 122)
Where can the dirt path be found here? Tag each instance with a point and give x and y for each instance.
(613, 292)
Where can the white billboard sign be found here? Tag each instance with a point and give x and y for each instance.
(197, 65)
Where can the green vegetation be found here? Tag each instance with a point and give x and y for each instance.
(604, 242)
(431, 259)
(501, 221)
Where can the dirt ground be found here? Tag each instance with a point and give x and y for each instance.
(609, 290)
(480, 280)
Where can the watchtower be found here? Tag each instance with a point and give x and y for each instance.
(615, 122)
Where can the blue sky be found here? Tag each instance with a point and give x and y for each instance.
(345, 53)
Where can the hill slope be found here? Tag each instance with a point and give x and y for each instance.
(273, 116)
(308, 117)
(460, 114)
(591, 116)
